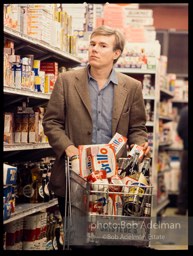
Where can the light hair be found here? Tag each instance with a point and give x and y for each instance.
(109, 31)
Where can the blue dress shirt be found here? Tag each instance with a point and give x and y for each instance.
(102, 107)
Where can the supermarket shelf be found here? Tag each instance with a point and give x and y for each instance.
(40, 48)
(27, 146)
(164, 170)
(149, 123)
(149, 97)
(136, 71)
(16, 91)
(164, 144)
(161, 205)
(23, 210)
(166, 92)
(174, 148)
(166, 118)
(179, 101)
(170, 192)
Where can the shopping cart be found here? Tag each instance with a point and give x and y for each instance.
(105, 214)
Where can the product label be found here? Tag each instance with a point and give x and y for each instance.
(101, 158)
(28, 191)
(118, 141)
(41, 193)
(11, 175)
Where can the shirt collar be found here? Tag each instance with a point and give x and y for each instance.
(112, 78)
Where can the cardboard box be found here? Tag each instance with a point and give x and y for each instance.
(9, 174)
(119, 143)
(17, 128)
(8, 128)
(97, 157)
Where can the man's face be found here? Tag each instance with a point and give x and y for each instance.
(101, 52)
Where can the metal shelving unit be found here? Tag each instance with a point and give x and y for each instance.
(151, 125)
(25, 146)
(136, 70)
(15, 91)
(24, 44)
(163, 200)
(23, 210)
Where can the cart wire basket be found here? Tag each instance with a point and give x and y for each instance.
(105, 214)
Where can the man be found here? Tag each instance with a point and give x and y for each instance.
(89, 105)
(182, 129)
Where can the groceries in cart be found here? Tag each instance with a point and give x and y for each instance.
(117, 185)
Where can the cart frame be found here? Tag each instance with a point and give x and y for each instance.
(83, 227)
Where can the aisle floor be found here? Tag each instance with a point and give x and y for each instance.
(174, 239)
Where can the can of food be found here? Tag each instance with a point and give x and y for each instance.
(132, 202)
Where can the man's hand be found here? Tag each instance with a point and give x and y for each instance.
(146, 149)
(71, 151)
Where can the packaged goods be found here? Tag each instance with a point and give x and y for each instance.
(147, 210)
(46, 194)
(110, 206)
(97, 203)
(119, 143)
(133, 201)
(137, 148)
(9, 174)
(124, 165)
(97, 157)
(8, 128)
(127, 181)
(17, 127)
(24, 128)
(116, 182)
(131, 166)
(6, 211)
(98, 180)
(117, 204)
(145, 168)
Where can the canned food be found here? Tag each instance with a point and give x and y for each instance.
(132, 202)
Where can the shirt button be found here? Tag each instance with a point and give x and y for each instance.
(98, 129)
(99, 112)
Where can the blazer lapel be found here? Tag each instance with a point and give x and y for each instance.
(82, 88)
(120, 95)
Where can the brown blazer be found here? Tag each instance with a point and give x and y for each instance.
(68, 119)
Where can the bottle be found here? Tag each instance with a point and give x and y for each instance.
(145, 169)
(147, 210)
(36, 182)
(45, 185)
(135, 165)
(40, 187)
(132, 203)
(125, 166)
(51, 193)
(48, 233)
(25, 187)
(148, 109)
(58, 233)
(147, 84)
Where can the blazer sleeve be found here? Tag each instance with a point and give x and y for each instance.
(54, 119)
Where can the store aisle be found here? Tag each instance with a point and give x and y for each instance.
(176, 235)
